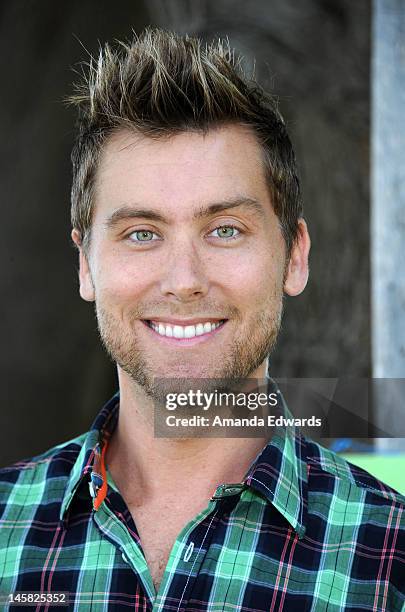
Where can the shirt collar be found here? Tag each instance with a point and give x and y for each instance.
(279, 472)
(85, 464)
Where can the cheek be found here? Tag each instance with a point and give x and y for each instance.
(119, 281)
(253, 276)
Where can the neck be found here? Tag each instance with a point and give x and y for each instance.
(146, 468)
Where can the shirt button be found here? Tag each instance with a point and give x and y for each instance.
(188, 552)
(124, 557)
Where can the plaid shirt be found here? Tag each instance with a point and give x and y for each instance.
(306, 530)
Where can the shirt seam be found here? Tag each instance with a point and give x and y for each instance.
(388, 495)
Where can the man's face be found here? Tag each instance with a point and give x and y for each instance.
(185, 242)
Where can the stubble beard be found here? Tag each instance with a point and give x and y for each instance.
(244, 358)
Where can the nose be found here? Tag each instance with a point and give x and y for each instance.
(184, 276)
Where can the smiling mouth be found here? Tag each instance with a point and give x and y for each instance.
(180, 332)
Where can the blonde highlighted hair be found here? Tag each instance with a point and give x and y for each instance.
(160, 84)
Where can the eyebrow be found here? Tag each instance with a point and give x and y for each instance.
(133, 212)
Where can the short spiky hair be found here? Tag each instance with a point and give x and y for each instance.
(161, 84)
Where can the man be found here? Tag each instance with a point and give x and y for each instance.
(187, 216)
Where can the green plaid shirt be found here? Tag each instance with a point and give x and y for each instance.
(305, 530)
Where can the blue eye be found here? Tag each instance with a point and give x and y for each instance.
(227, 231)
(142, 236)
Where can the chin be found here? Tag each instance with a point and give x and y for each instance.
(185, 372)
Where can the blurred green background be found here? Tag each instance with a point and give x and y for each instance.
(390, 468)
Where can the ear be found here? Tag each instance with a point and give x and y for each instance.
(297, 272)
(86, 283)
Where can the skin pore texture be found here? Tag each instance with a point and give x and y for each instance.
(163, 249)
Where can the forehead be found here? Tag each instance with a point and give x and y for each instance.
(184, 170)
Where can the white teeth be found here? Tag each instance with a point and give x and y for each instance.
(188, 331)
(199, 329)
(178, 331)
(162, 329)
